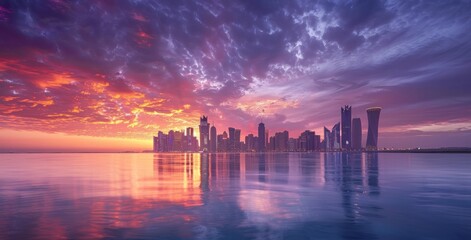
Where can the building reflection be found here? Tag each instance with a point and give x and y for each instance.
(169, 195)
(177, 178)
(355, 175)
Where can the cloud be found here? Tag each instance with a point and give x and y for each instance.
(129, 68)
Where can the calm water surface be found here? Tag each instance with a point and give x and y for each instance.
(235, 196)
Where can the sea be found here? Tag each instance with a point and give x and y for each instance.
(235, 196)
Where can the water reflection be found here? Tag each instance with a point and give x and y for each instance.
(355, 175)
(215, 196)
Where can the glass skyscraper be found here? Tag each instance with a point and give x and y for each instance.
(261, 137)
(204, 134)
(346, 121)
(356, 134)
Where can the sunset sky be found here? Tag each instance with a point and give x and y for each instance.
(107, 75)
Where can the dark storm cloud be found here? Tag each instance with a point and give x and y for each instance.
(116, 61)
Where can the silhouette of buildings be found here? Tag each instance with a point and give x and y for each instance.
(344, 135)
(346, 121)
(155, 144)
(306, 141)
(261, 137)
(175, 141)
(332, 138)
(237, 143)
(250, 143)
(373, 124)
(335, 137)
(213, 139)
(204, 134)
(231, 147)
(191, 141)
(356, 134)
(327, 143)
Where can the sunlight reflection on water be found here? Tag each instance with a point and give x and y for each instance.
(235, 196)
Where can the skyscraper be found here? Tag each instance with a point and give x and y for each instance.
(306, 141)
(189, 131)
(373, 124)
(189, 135)
(249, 140)
(231, 146)
(156, 144)
(261, 137)
(327, 141)
(356, 134)
(335, 136)
(170, 140)
(213, 139)
(204, 134)
(346, 120)
(237, 140)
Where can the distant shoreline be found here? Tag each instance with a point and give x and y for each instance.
(431, 150)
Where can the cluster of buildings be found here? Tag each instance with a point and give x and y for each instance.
(176, 141)
(346, 135)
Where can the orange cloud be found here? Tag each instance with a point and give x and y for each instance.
(55, 80)
(35, 103)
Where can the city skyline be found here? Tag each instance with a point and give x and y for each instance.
(340, 138)
(108, 76)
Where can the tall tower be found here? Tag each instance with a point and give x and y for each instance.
(156, 144)
(189, 131)
(335, 136)
(204, 134)
(231, 139)
(356, 134)
(213, 139)
(373, 124)
(327, 140)
(346, 119)
(237, 140)
(261, 137)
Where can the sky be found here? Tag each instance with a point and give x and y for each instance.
(107, 75)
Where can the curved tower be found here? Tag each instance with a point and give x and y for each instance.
(373, 124)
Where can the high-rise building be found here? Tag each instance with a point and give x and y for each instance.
(231, 146)
(220, 144)
(281, 141)
(271, 144)
(189, 139)
(327, 142)
(163, 142)
(170, 140)
(307, 141)
(356, 134)
(177, 141)
(317, 142)
(292, 143)
(213, 139)
(266, 137)
(204, 134)
(156, 144)
(373, 124)
(261, 137)
(335, 137)
(189, 131)
(237, 140)
(249, 141)
(346, 120)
